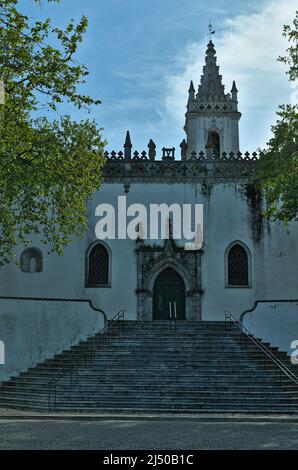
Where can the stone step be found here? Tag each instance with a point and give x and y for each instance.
(168, 388)
(218, 350)
(214, 387)
(151, 370)
(76, 393)
(157, 363)
(147, 366)
(76, 401)
(146, 377)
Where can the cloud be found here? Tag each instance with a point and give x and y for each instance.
(247, 50)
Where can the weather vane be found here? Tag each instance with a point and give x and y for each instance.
(211, 30)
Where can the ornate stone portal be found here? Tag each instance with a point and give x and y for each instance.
(152, 260)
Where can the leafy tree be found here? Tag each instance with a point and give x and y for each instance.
(48, 167)
(277, 170)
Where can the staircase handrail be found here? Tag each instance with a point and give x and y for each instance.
(278, 363)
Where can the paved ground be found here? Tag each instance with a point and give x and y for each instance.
(156, 434)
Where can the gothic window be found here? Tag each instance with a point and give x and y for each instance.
(238, 266)
(98, 266)
(31, 260)
(213, 142)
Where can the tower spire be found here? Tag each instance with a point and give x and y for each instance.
(211, 87)
(212, 114)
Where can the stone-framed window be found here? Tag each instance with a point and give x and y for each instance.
(238, 266)
(213, 142)
(98, 266)
(31, 260)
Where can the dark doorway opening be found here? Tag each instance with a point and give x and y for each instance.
(169, 296)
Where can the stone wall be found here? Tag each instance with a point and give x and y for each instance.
(34, 330)
(229, 214)
(276, 322)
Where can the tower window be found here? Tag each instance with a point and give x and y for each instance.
(238, 261)
(98, 264)
(31, 260)
(213, 142)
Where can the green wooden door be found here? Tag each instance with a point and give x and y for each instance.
(169, 296)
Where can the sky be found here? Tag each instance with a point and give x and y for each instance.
(142, 54)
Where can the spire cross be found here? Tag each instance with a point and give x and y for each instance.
(211, 30)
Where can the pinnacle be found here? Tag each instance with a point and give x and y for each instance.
(127, 140)
(234, 88)
(191, 87)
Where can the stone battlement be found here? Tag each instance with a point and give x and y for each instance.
(127, 166)
(168, 154)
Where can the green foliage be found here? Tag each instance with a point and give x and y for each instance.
(48, 168)
(277, 170)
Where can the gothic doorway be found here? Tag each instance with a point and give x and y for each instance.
(152, 262)
(169, 296)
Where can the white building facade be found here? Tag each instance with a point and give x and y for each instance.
(243, 258)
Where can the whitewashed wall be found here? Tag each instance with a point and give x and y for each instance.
(33, 331)
(274, 322)
(227, 217)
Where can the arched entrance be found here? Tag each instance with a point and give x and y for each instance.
(169, 296)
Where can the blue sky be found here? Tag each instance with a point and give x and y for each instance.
(142, 53)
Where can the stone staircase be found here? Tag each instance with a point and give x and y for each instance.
(146, 367)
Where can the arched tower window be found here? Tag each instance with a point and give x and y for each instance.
(98, 266)
(31, 260)
(238, 266)
(213, 142)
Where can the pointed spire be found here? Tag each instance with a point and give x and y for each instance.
(234, 88)
(127, 146)
(211, 87)
(191, 87)
(127, 140)
(191, 96)
(234, 92)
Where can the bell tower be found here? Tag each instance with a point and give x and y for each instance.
(212, 117)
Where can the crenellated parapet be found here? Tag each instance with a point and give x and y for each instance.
(129, 165)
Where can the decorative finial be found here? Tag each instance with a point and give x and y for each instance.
(191, 96)
(152, 150)
(127, 139)
(211, 30)
(191, 87)
(127, 146)
(234, 88)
